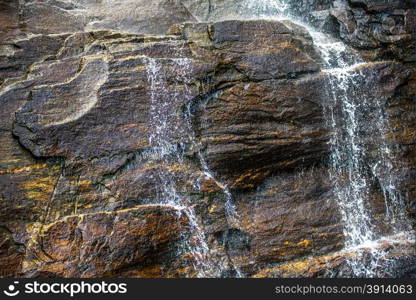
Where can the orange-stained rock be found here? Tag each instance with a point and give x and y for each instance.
(125, 242)
(394, 259)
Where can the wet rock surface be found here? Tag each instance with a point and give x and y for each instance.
(379, 29)
(128, 242)
(338, 264)
(78, 174)
(138, 16)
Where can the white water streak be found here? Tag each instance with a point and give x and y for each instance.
(165, 125)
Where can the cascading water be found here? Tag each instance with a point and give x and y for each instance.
(348, 153)
(165, 125)
(267, 9)
(353, 116)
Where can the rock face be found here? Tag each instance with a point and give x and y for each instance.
(381, 29)
(335, 265)
(56, 16)
(126, 242)
(226, 115)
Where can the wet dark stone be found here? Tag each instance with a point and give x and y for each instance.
(78, 175)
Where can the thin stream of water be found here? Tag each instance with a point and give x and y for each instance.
(164, 125)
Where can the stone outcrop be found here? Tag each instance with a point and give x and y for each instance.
(138, 16)
(336, 265)
(379, 29)
(77, 166)
(129, 242)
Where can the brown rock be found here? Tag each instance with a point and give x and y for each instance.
(395, 260)
(235, 126)
(244, 114)
(110, 244)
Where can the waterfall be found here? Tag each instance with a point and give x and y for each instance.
(361, 117)
(267, 9)
(353, 116)
(348, 153)
(165, 125)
